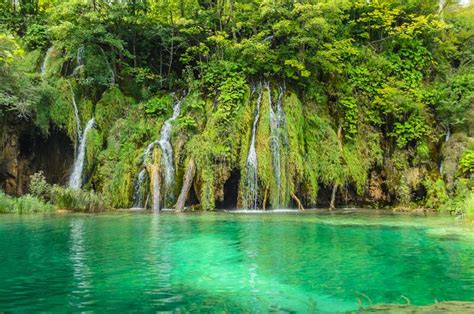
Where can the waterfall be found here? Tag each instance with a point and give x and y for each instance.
(156, 189)
(167, 156)
(441, 164)
(251, 180)
(112, 74)
(277, 124)
(44, 65)
(137, 197)
(441, 4)
(75, 181)
(76, 112)
(138, 200)
(80, 54)
(147, 151)
(167, 166)
(79, 59)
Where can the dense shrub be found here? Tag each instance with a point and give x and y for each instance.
(22, 205)
(78, 200)
(39, 187)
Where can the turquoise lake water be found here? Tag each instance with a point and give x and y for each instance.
(231, 262)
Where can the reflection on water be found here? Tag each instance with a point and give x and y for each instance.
(81, 284)
(231, 262)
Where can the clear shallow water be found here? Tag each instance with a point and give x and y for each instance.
(230, 262)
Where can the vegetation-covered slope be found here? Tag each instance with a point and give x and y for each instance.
(353, 102)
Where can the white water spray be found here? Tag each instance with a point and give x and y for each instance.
(251, 180)
(167, 167)
(44, 65)
(75, 181)
(79, 59)
(277, 125)
(76, 112)
(137, 197)
(167, 156)
(448, 136)
(138, 201)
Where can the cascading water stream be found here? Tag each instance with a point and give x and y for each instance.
(112, 74)
(167, 150)
(79, 59)
(448, 136)
(138, 199)
(156, 206)
(44, 65)
(76, 112)
(166, 165)
(75, 181)
(277, 125)
(251, 180)
(147, 151)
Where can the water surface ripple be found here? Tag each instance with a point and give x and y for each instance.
(230, 262)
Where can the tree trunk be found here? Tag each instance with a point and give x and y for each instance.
(332, 205)
(264, 204)
(171, 55)
(298, 202)
(181, 7)
(232, 17)
(187, 183)
(155, 186)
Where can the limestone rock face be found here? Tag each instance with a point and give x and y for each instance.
(24, 151)
(10, 170)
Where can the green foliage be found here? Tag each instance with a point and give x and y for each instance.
(23, 205)
(38, 186)
(436, 194)
(36, 37)
(351, 113)
(454, 97)
(6, 203)
(77, 200)
(30, 204)
(296, 144)
(413, 129)
(224, 80)
(372, 87)
(112, 106)
(159, 105)
(118, 162)
(9, 49)
(185, 123)
(466, 163)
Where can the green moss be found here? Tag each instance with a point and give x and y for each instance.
(264, 157)
(112, 106)
(216, 149)
(296, 141)
(62, 111)
(312, 134)
(436, 194)
(54, 65)
(119, 163)
(93, 149)
(247, 121)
